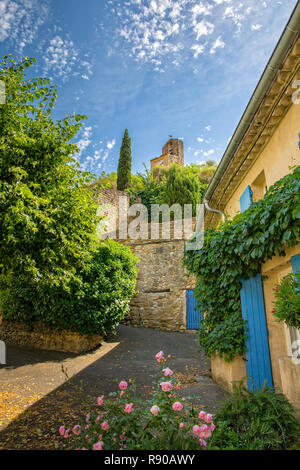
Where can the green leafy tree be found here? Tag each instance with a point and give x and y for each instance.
(124, 167)
(183, 187)
(47, 211)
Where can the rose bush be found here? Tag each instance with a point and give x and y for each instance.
(124, 420)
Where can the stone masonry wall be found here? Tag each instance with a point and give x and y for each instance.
(162, 282)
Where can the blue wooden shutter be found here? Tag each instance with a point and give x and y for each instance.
(295, 260)
(246, 199)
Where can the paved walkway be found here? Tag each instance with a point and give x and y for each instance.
(40, 388)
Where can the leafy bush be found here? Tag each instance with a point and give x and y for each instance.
(287, 304)
(236, 250)
(125, 421)
(227, 338)
(94, 302)
(47, 212)
(260, 420)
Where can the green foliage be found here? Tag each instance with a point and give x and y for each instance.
(182, 187)
(260, 420)
(47, 214)
(235, 251)
(52, 270)
(228, 337)
(287, 304)
(95, 301)
(124, 167)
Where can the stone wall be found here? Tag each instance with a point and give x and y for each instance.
(46, 339)
(162, 279)
(109, 207)
(162, 282)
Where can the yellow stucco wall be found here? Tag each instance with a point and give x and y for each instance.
(274, 163)
(281, 152)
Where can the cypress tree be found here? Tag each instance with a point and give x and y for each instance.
(124, 167)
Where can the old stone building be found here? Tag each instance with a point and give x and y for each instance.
(163, 282)
(172, 152)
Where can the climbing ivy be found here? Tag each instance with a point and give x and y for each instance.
(236, 250)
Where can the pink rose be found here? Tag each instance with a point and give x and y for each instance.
(177, 406)
(100, 400)
(202, 415)
(196, 429)
(208, 418)
(181, 425)
(167, 372)
(66, 435)
(155, 410)
(212, 427)
(166, 386)
(105, 426)
(128, 408)
(76, 430)
(202, 443)
(98, 446)
(123, 385)
(62, 430)
(159, 356)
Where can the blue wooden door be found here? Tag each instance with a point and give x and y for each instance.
(257, 345)
(253, 310)
(193, 313)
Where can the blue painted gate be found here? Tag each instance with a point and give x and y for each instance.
(193, 313)
(253, 310)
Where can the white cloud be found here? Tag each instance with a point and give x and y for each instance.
(171, 31)
(200, 139)
(256, 27)
(203, 28)
(208, 128)
(62, 58)
(208, 153)
(20, 20)
(110, 145)
(198, 49)
(217, 44)
(85, 140)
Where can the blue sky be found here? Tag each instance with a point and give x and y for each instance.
(185, 68)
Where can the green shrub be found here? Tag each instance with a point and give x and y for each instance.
(93, 303)
(260, 420)
(287, 304)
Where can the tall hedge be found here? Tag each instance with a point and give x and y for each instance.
(96, 300)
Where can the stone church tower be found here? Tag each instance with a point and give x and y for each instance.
(172, 152)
